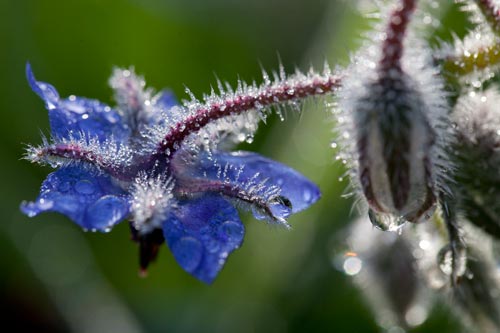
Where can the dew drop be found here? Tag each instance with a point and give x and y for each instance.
(307, 196)
(64, 187)
(105, 212)
(85, 187)
(188, 252)
(352, 265)
(112, 117)
(212, 245)
(233, 230)
(446, 262)
(385, 222)
(258, 213)
(43, 204)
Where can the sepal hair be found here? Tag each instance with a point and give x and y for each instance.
(152, 198)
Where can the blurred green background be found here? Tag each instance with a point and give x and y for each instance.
(56, 278)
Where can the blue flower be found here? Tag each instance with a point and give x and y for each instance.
(165, 168)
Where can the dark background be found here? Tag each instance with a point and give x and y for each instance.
(55, 277)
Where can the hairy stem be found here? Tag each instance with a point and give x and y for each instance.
(75, 152)
(392, 49)
(195, 186)
(267, 95)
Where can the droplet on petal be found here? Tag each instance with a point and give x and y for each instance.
(85, 187)
(234, 231)
(188, 252)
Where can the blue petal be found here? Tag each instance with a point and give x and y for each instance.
(75, 115)
(300, 191)
(46, 92)
(90, 200)
(201, 233)
(166, 99)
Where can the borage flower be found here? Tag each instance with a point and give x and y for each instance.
(162, 166)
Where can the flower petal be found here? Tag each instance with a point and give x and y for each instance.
(300, 191)
(90, 200)
(165, 99)
(201, 233)
(76, 115)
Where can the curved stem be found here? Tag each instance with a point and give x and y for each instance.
(194, 186)
(267, 95)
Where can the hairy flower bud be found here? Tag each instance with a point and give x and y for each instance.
(477, 157)
(384, 267)
(393, 104)
(394, 142)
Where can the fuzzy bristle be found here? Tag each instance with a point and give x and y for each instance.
(152, 197)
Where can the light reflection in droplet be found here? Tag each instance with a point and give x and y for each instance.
(416, 315)
(352, 265)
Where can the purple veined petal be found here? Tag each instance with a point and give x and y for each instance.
(201, 233)
(75, 115)
(299, 191)
(92, 201)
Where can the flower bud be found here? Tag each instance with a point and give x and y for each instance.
(477, 156)
(394, 105)
(394, 141)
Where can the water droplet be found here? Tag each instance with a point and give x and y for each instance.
(112, 117)
(448, 265)
(352, 265)
(385, 222)
(64, 187)
(281, 207)
(43, 204)
(258, 213)
(212, 245)
(307, 196)
(233, 230)
(416, 315)
(85, 187)
(105, 212)
(188, 252)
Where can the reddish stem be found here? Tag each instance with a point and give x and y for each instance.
(74, 152)
(392, 50)
(286, 91)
